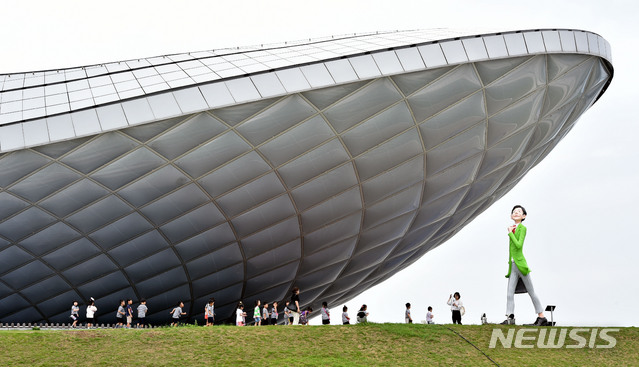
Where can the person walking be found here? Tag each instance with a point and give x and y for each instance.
(209, 312)
(257, 315)
(288, 317)
(294, 305)
(75, 314)
(91, 310)
(142, 310)
(120, 314)
(430, 316)
(265, 314)
(345, 319)
(274, 314)
(362, 314)
(326, 314)
(407, 316)
(176, 313)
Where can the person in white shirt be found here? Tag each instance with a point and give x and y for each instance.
(75, 313)
(429, 315)
(345, 319)
(209, 312)
(456, 305)
(326, 314)
(91, 310)
(142, 310)
(239, 315)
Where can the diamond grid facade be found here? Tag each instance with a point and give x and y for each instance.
(331, 189)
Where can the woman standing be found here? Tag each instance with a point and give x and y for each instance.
(518, 268)
(294, 306)
(456, 304)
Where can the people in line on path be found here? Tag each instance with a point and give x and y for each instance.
(91, 310)
(326, 314)
(257, 316)
(274, 314)
(142, 310)
(362, 314)
(262, 315)
(288, 316)
(294, 306)
(176, 313)
(304, 315)
(75, 313)
(240, 315)
(265, 314)
(429, 316)
(518, 269)
(120, 314)
(456, 305)
(209, 312)
(407, 316)
(345, 319)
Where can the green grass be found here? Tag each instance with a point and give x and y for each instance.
(355, 345)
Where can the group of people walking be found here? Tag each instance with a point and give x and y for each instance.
(127, 316)
(293, 313)
(123, 318)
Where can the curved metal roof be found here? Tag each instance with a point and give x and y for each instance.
(34, 104)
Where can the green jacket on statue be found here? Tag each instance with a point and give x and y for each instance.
(516, 250)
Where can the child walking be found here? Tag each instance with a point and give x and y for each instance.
(429, 316)
(142, 310)
(288, 318)
(326, 314)
(345, 319)
(91, 310)
(129, 313)
(257, 318)
(274, 314)
(75, 314)
(407, 317)
(239, 315)
(265, 314)
(119, 316)
(362, 314)
(209, 312)
(176, 313)
(304, 315)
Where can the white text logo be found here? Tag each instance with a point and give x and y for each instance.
(554, 338)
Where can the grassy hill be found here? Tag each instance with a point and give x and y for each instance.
(355, 345)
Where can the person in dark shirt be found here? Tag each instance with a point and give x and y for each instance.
(129, 312)
(362, 314)
(294, 306)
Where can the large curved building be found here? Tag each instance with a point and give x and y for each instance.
(329, 164)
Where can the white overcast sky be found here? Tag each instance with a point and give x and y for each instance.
(581, 200)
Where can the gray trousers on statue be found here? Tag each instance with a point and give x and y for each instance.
(515, 274)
